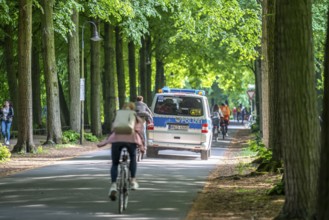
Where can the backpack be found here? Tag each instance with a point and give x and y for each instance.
(124, 122)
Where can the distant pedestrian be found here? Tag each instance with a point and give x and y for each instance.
(226, 113)
(234, 113)
(243, 113)
(6, 115)
(238, 112)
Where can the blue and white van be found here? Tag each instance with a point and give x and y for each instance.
(181, 121)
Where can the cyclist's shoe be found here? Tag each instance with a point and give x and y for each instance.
(134, 185)
(113, 191)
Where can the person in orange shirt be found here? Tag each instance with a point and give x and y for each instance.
(226, 112)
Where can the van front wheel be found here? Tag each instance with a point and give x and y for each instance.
(204, 154)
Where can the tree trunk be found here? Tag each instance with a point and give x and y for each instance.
(10, 67)
(54, 130)
(323, 190)
(258, 88)
(109, 77)
(24, 108)
(96, 93)
(294, 63)
(159, 73)
(142, 69)
(120, 67)
(86, 109)
(265, 81)
(65, 113)
(74, 75)
(148, 70)
(132, 71)
(274, 111)
(36, 88)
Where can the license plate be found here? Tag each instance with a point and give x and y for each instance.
(178, 127)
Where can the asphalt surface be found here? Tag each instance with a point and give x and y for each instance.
(77, 188)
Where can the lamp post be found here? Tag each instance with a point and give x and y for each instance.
(95, 37)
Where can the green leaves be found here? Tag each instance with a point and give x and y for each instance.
(62, 15)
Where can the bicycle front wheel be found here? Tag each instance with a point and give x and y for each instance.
(125, 191)
(121, 190)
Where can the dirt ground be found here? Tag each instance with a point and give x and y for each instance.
(230, 192)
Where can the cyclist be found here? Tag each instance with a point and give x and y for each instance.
(143, 110)
(131, 142)
(145, 113)
(226, 112)
(216, 117)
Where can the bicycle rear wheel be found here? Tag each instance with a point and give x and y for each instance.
(223, 132)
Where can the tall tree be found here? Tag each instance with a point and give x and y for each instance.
(142, 69)
(36, 86)
(24, 110)
(264, 78)
(109, 76)
(95, 79)
(294, 64)
(10, 66)
(132, 71)
(159, 74)
(54, 130)
(148, 69)
(120, 66)
(86, 109)
(65, 113)
(74, 74)
(273, 79)
(323, 191)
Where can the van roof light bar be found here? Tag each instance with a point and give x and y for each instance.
(175, 90)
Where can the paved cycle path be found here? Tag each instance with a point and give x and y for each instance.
(77, 188)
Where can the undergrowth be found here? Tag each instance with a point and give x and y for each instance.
(72, 137)
(4, 153)
(266, 163)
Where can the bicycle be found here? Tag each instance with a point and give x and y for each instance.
(223, 128)
(123, 183)
(139, 154)
(215, 122)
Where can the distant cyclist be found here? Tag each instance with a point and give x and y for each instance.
(145, 113)
(143, 110)
(131, 142)
(217, 116)
(226, 112)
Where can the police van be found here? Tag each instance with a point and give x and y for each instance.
(181, 121)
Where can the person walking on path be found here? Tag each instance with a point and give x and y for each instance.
(243, 113)
(234, 113)
(6, 115)
(226, 112)
(131, 142)
(238, 112)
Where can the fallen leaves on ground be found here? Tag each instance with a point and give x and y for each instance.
(233, 193)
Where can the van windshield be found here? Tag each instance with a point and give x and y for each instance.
(179, 105)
